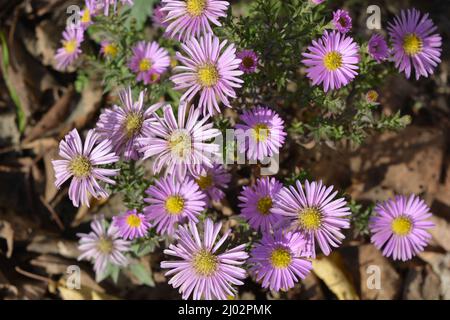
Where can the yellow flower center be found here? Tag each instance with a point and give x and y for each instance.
(280, 258)
(264, 205)
(86, 17)
(412, 44)
(80, 166)
(372, 96)
(111, 50)
(247, 62)
(134, 221)
(145, 65)
(133, 124)
(208, 75)
(401, 226)
(260, 132)
(180, 144)
(195, 7)
(332, 60)
(205, 263)
(105, 245)
(174, 204)
(154, 77)
(310, 218)
(204, 182)
(70, 46)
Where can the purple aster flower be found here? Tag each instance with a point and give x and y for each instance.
(172, 202)
(314, 212)
(279, 260)
(209, 68)
(332, 60)
(158, 17)
(261, 134)
(132, 224)
(109, 49)
(103, 247)
(399, 227)
(149, 59)
(372, 97)
(180, 146)
(257, 202)
(415, 43)
(249, 60)
(106, 4)
(378, 48)
(203, 271)
(81, 164)
(192, 17)
(213, 180)
(90, 11)
(70, 50)
(125, 124)
(342, 21)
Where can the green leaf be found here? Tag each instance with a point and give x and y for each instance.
(142, 274)
(141, 10)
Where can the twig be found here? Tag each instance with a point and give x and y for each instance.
(55, 216)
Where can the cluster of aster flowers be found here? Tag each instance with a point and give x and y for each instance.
(292, 223)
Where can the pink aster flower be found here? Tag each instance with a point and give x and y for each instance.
(399, 227)
(202, 270)
(192, 17)
(158, 17)
(262, 133)
(378, 48)
(332, 60)
(314, 212)
(317, 1)
(213, 180)
(103, 246)
(279, 260)
(109, 49)
(81, 164)
(257, 202)
(125, 124)
(249, 61)
(107, 4)
(181, 145)
(416, 45)
(149, 59)
(90, 10)
(70, 50)
(209, 68)
(342, 21)
(172, 202)
(132, 224)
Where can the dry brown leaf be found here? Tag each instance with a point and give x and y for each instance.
(330, 270)
(7, 233)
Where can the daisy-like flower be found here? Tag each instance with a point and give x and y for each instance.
(181, 145)
(416, 45)
(249, 60)
(103, 246)
(372, 97)
(109, 49)
(126, 123)
(332, 60)
(132, 224)
(261, 134)
(314, 212)
(257, 202)
(378, 48)
(149, 60)
(342, 21)
(81, 164)
(399, 227)
(158, 17)
(211, 69)
(172, 202)
(70, 50)
(213, 180)
(192, 17)
(202, 270)
(108, 4)
(86, 15)
(279, 260)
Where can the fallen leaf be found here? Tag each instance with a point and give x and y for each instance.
(7, 233)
